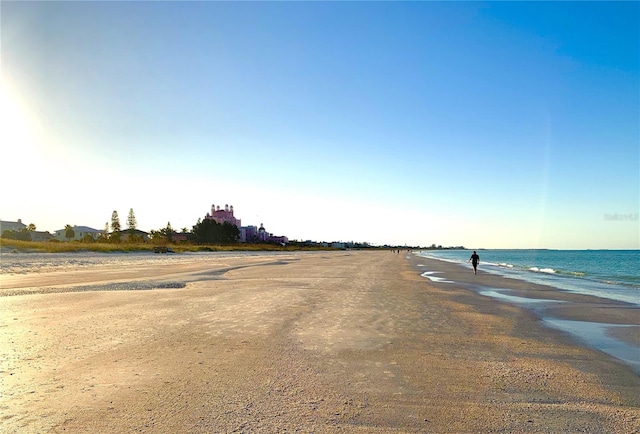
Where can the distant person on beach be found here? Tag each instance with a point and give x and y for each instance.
(475, 260)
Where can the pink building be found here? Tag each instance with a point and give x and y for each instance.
(223, 215)
(247, 233)
(265, 236)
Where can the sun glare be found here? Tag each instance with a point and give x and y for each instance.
(18, 136)
(17, 133)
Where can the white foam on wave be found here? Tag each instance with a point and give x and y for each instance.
(564, 277)
(542, 270)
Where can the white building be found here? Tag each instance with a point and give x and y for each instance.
(79, 232)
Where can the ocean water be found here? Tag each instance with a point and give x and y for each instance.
(612, 274)
(608, 274)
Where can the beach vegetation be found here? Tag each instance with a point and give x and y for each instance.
(23, 235)
(87, 238)
(135, 239)
(131, 220)
(209, 231)
(69, 233)
(167, 232)
(162, 236)
(56, 246)
(104, 235)
(115, 222)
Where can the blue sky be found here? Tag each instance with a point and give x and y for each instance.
(490, 125)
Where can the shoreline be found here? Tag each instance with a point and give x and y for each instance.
(575, 275)
(312, 342)
(600, 323)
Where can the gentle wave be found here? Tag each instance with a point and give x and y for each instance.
(543, 270)
(601, 275)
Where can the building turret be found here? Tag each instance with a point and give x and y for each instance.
(223, 215)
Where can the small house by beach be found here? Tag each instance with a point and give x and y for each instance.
(79, 232)
(40, 236)
(12, 226)
(128, 233)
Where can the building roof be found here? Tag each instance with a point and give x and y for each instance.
(133, 231)
(6, 222)
(81, 229)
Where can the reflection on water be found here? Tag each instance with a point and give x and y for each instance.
(515, 299)
(595, 334)
(430, 275)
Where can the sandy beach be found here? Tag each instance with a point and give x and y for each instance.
(303, 342)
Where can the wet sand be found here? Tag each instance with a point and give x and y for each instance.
(323, 342)
(587, 317)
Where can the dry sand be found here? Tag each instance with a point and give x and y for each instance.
(322, 342)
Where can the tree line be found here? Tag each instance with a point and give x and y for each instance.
(203, 232)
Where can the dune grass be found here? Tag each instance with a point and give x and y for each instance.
(72, 246)
(76, 246)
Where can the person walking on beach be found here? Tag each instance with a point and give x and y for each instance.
(475, 260)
